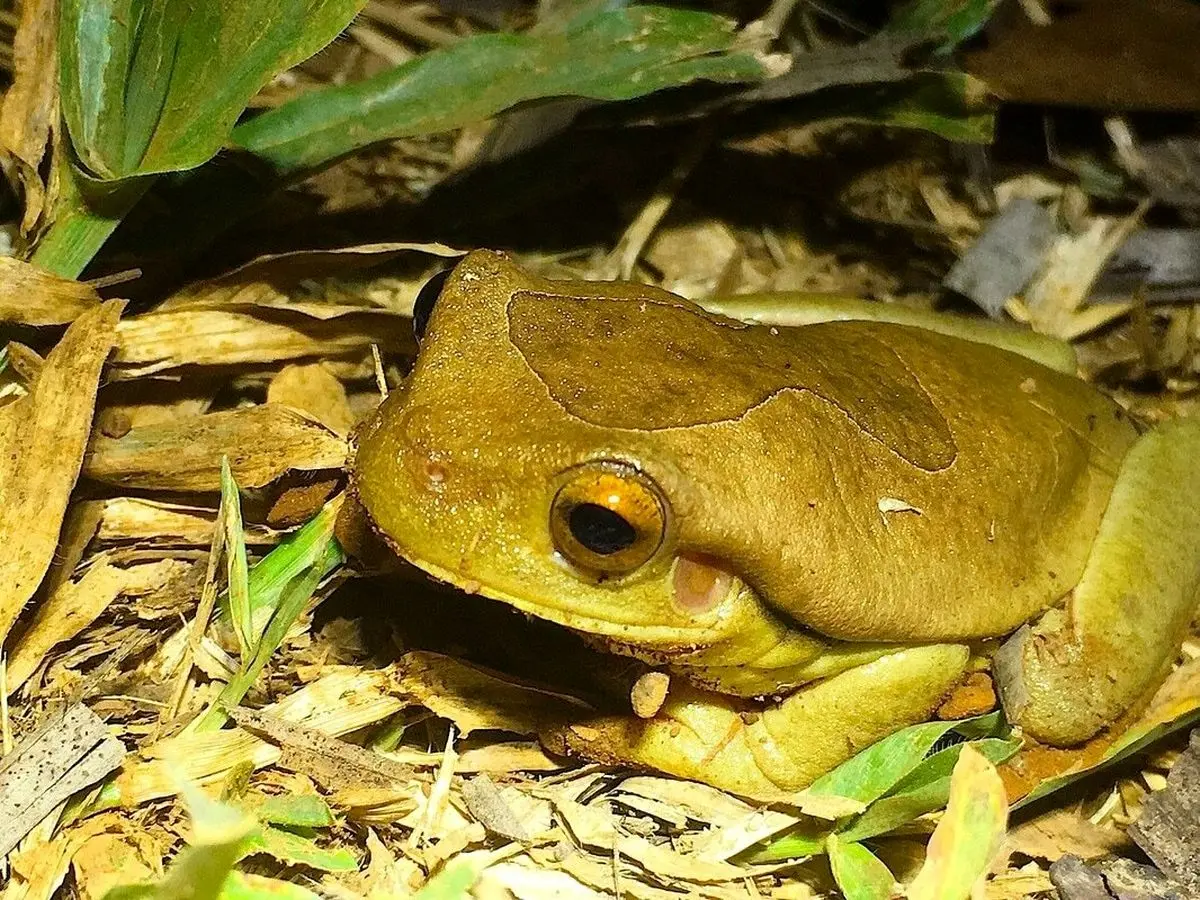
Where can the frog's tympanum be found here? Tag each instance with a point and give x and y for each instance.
(818, 531)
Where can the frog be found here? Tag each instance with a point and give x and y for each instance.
(818, 529)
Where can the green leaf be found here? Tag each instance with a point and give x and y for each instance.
(456, 880)
(295, 810)
(310, 546)
(952, 105)
(294, 849)
(876, 770)
(292, 572)
(235, 560)
(969, 834)
(805, 839)
(156, 85)
(923, 790)
(859, 872)
(86, 212)
(614, 54)
(199, 872)
(949, 21)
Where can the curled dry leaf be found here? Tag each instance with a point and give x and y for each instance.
(316, 392)
(265, 281)
(262, 443)
(31, 296)
(164, 341)
(30, 106)
(42, 440)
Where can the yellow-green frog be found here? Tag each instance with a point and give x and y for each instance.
(835, 516)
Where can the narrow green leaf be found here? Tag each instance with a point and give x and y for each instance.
(236, 567)
(924, 790)
(859, 872)
(952, 105)
(874, 771)
(608, 54)
(805, 839)
(152, 87)
(1133, 741)
(969, 834)
(311, 555)
(86, 212)
(294, 555)
(293, 849)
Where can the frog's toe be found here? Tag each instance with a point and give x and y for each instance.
(1079, 668)
(771, 754)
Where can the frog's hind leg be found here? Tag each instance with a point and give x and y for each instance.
(770, 754)
(1079, 668)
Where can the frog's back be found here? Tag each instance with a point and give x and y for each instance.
(935, 489)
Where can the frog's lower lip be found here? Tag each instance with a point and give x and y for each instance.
(650, 637)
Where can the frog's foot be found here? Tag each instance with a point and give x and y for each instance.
(770, 754)
(1079, 668)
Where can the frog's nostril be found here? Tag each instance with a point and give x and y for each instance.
(435, 473)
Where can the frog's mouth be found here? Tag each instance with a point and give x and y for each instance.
(738, 633)
(644, 641)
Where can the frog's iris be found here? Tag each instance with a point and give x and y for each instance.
(607, 519)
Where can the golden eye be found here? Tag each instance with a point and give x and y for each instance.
(607, 519)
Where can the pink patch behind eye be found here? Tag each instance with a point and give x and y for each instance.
(700, 583)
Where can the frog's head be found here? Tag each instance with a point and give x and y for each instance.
(508, 463)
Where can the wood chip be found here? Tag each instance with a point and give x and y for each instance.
(64, 614)
(1168, 829)
(1075, 880)
(1004, 257)
(333, 762)
(649, 693)
(488, 807)
(70, 752)
(125, 520)
(42, 441)
(262, 443)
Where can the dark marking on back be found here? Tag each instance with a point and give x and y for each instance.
(648, 365)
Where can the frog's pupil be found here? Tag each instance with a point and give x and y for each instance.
(599, 529)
